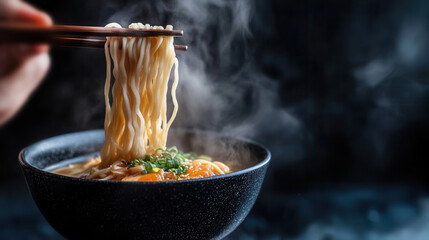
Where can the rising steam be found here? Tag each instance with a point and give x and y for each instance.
(221, 88)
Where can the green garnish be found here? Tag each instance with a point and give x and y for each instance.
(158, 149)
(167, 155)
(179, 170)
(173, 149)
(169, 160)
(134, 163)
(172, 163)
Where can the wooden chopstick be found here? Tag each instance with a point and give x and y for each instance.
(75, 36)
(93, 43)
(13, 31)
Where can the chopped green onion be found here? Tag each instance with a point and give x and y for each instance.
(134, 163)
(158, 149)
(173, 149)
(170, 159)
(148, 166)
(149, 158)
(166, 155)
(172, 164)
(179, 157)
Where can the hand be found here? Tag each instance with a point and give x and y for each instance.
(22, 66)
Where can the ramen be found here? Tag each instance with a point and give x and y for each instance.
(136, 123)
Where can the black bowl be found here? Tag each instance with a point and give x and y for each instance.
(208, 208)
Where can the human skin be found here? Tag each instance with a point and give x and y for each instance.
(22, 66)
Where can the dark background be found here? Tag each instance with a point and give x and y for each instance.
(337, 90)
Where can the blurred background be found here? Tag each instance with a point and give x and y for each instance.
(335, 89)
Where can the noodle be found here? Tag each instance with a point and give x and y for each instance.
(136, 124)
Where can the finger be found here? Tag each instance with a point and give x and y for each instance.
(18, 86)
(19, 11)
(29, 14)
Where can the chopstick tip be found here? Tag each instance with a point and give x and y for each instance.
(180, 47)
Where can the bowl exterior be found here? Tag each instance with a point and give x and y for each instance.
(208, 209)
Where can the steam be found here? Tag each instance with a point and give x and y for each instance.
(221, 88)
(389, 65)
(400, 221)
(343, 213)
(224, 88)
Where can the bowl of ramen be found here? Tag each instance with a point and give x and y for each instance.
(200, 208)
(136, 179)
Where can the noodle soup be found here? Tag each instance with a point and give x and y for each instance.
(136, 124)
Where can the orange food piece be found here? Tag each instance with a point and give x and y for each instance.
(150, 177)
(198, 170)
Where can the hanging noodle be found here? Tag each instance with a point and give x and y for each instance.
(136, 123)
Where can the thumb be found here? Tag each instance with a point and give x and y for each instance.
(19, 11)
(22, 12)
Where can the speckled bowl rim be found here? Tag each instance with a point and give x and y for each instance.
(35, 145)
